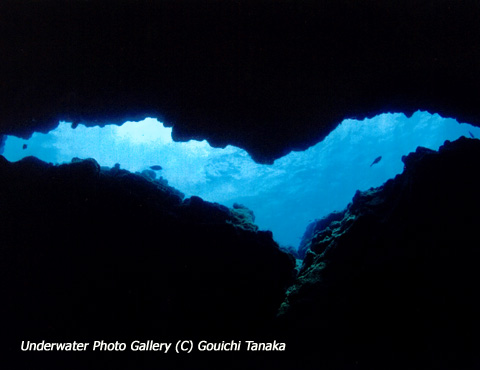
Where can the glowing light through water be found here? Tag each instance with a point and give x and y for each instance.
(285, 196)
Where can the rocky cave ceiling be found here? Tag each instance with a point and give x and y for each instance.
(267, 76)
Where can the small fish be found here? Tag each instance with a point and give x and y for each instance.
(471, 135)
(156, 168)
(24, 146)
(376, 161)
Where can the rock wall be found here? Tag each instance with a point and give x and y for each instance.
(394, 284)
(89, 254)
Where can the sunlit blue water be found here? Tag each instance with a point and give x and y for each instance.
(285, 196)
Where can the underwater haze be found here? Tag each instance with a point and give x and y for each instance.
(286, 196)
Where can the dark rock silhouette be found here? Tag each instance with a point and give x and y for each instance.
(90, 253)
(394, 283)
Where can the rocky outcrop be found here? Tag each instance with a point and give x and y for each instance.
(394, 283)
(91, 253)
(319, 230)
(244, 217)
(267, 76)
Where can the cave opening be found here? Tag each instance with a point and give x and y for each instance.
(286, 196)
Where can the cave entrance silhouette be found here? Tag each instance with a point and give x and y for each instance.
(286, 196)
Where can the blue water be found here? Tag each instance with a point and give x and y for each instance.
(285, 196)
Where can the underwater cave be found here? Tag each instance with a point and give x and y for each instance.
(262, 178)
(286, 196)
(120, 224)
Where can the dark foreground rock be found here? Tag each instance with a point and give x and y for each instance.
(95, 254)
(395, 283)
(92, 254)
